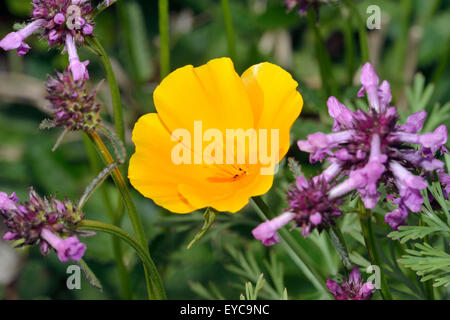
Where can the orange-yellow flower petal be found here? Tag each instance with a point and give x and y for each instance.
(213, 93)
(275, 100)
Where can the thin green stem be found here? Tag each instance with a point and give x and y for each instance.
(113, 86)
(362, 32)
(154, 292)
(323, 59)
(164, 37)
(339, 244)
(349, 41)
(297, 253)
(142, 252)
(229, 29)
(124, 276)
(365, 219)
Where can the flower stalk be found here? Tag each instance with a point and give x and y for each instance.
(229, 29)
(154, 291)
(365, 217)
(114, 217)
(114, 87)
(163, 6)
(142, 252)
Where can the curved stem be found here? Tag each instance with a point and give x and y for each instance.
(158, 290)
(131, 208)
(124, 276)
(163, 6)
(365, 219)
(297, 253)
(229, 29)
(113, 86)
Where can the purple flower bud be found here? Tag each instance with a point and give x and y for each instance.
(10, 236)
(336, 290)
(302, 183)
(88, 29)
(6, 203)
(397, 217)
(315, 218)
(414, 123)
(59, 18)
(355, 276)
(341, 114)
(39, 12)
(384, 93)
(266, 231)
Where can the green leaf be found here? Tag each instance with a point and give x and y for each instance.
(90, 275)
(295, 167)
(406, 233)
(429, 263)
(210, 216)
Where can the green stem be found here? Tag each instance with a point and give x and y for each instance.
(362, 32)
(229, 29)
(164, 37)
(365, 219)
(324, 60)
(297, 253)
(113, 86)
(141, 251)
(154, 292)
(347, 31)
(339, 244)
(124, 277)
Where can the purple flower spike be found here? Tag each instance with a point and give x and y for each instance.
(43, 222)
(311, 206)
(73, 106)
(266, 231)
(66, 248)
(351, 289)
(370, 147)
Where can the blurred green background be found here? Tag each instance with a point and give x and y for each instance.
(414, 37)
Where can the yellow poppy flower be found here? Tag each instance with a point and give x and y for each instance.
(207, 103)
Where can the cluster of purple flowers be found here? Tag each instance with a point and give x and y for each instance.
(366, 149)
(352, 289)
(47, 223)
(73, 107)
(64, 23)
